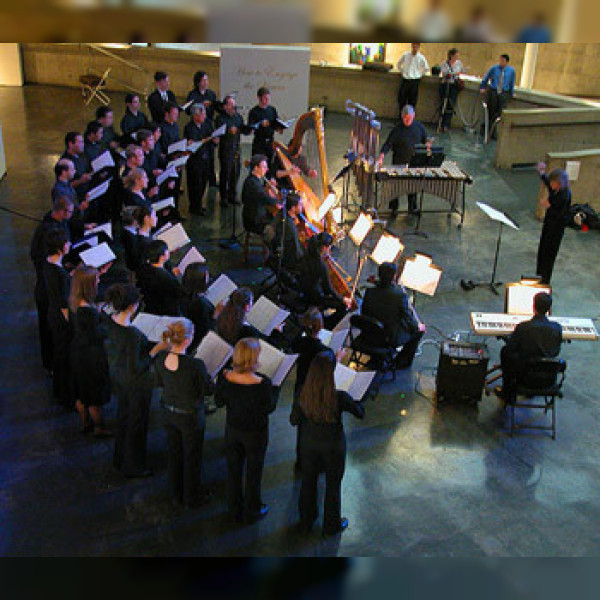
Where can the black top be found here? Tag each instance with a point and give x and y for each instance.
(127, 349)
(161, 290)
(199, 311)
(152, 161)
(131, 123)
(293, 250)
(391, 306)
(536, 338)
(37, 251)
(325, 431)
(255, 200)
(92, 150)
(132, 199)
(307, 347)
(82, 166)
(186, 387)
(109, 135)
(560, 203)
(192, 132)
(129, 240)
(263, 135)
(314, 280)
(170, 135)
(248, 406)
(401, 140)
(141, 243)
(245, 330)
(157, 105)
(228, 143)
(63, 189)
(198, 97)
(57, 282)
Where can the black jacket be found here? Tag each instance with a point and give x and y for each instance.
(255, 200)
(537, 338)
(157, 105)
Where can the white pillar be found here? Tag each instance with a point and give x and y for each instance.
(529, 62)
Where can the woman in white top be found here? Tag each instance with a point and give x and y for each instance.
(449, 87)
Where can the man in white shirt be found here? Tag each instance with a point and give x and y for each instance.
(413, 65)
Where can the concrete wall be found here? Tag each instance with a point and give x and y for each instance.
(11, 72)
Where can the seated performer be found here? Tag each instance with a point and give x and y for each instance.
(388, 303)
(299, 165)
(315, 283)
(255, 197)
(402, 140)
(293, 250)
(134, 119)
(536, 338)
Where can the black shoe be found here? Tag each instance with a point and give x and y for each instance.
(343, 526)
(140, 474)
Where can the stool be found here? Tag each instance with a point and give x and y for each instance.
(254, 240)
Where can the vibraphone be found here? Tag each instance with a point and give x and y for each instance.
(447, 181)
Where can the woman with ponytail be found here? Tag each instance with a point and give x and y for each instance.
(129, 356)
(185, 384)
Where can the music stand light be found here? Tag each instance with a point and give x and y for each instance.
(388, 249)
(420, 274)
(361, 228)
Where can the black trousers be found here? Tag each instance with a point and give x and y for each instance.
(448, 95)
(41, 303)
(245, 449)
(408, 93)
(131, 428)
(410, 343)
(198, 176)
(552, 235)
(61, 334)
(496, 104)
(413, 205)
(510, 363)
(185, 440)
(229, 175)
(322, 455)
(212, 176)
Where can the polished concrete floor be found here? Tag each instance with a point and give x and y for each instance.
(419, 481)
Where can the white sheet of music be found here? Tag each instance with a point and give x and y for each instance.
(104, 160)
(220, 289)
(99, 190)
(496, 215)
(177, 163)
(97, 256)
(153, 326)
(161, 204)
(180, 146)
(106, 227)
(273, 363)
(166, 174)
(214, 351)
(175, 237)
(194, 146)
(191, 256)
(333, 339)
(185, 106)
(219, 131)
(90, 241)
(266, 316)
(356, 383)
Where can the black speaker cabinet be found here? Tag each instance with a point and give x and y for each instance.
(461, 372)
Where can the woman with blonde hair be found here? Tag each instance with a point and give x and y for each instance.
(89, 365)
(323, 447)
(249, 398)
(185, 384)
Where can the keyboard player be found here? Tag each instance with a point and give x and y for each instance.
(537, 338)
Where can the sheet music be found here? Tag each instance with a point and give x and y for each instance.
(333, 339)
(354, 382)
(146, 323)
(220, 289)
(102, 161)
(423, 279)
(287, 362)
(180, 146)
(191, 256)
(326, 206)
(214, 352)
(166, 174)
(177, 163)
(273, 363)
(345, 322)
(175, 237)
(163, 228)
(195, 146)
(497, 215)
(106, 227)
(285, 124)
(185, 106)
(161, 204)
(97, 256)
(99, 190)
(219, 131)
(90, 241)
(266, 316)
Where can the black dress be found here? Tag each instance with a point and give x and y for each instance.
(246, 438)
(183, 402)
(127, 350)
(161, 290)
(57, 284)
(323, 449)
(89, 364)
(199, 310)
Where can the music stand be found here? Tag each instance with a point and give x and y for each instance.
(421, 275)
(503, 219)
(344, 175)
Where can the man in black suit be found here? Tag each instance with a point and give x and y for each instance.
(159, 96)
(255, 197)
(537, 338)
(388, 303)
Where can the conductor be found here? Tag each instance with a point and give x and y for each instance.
(402, 140)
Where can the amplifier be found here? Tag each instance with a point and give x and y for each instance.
(461, 372)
